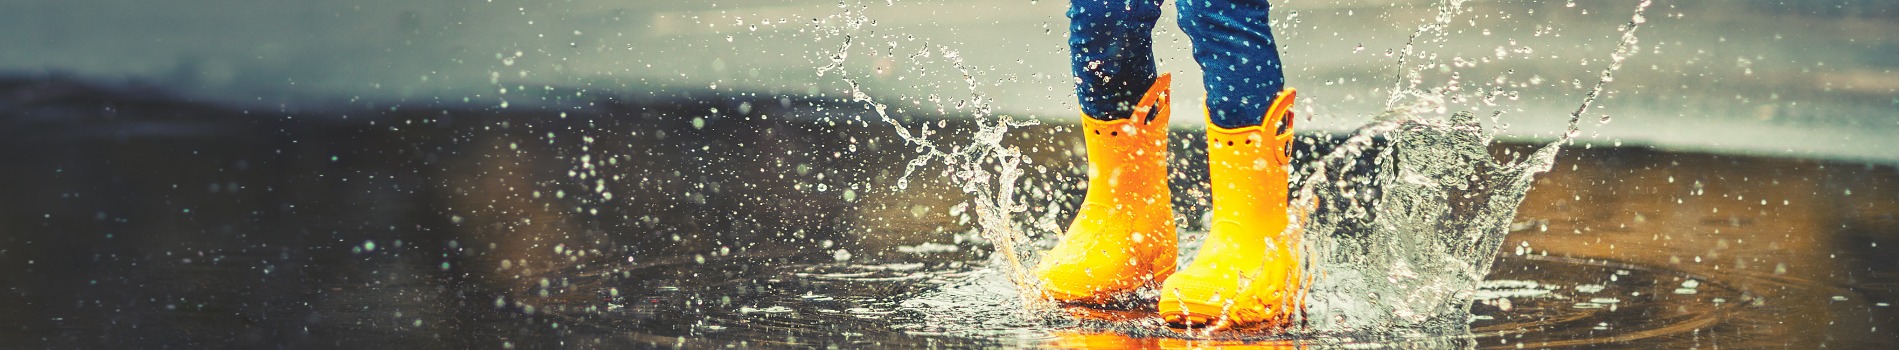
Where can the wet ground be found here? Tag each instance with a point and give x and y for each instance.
(699, 220)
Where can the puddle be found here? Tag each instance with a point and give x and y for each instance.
(705, 219)
(460, 259)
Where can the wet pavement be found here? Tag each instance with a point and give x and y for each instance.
(708, 219)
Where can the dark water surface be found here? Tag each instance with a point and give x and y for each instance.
(133, 219)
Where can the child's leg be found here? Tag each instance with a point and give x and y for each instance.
(1123, 236)
(1111, 51)
(1238, 55)
(1247, 272)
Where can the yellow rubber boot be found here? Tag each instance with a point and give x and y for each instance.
(1123, 236)
(1247, 273)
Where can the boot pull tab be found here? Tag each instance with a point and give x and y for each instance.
(1285, 124)
(1156, 99)
(1286, 129)
(1147, 113)
(1284, 105)
(1282, 110)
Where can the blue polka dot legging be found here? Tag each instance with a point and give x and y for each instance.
(1112, 54)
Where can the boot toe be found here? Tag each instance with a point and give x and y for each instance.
(1215, 302)
(1187, 302)
(1070, 286)
(1085, 281)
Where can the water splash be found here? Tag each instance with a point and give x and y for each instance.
(1410, 211)
(985, 169)
(1407, 214)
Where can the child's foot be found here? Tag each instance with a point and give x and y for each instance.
(1247, 273)
(1123, 236)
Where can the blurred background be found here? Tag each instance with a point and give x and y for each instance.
(501, 173)
(1809, 79)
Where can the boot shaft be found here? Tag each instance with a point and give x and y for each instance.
(1248, 169)
(1128, 157)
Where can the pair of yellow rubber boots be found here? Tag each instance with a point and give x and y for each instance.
(1247, 273)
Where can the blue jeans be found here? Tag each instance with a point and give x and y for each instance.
(1112, 54)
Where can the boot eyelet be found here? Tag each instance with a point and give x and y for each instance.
(1098, 132)
(1230, 143)
(1114, 133)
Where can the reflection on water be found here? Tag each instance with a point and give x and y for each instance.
(764, 220)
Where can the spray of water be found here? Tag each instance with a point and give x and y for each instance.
(985, 169)
(1408, 214)
(1402, 220)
